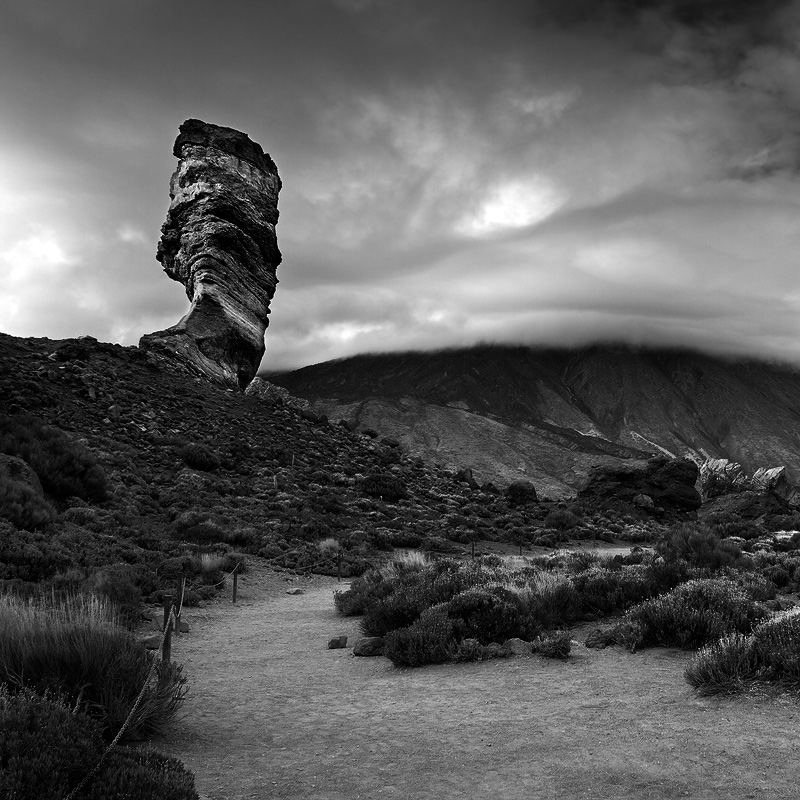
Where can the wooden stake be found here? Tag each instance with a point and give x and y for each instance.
(179, 606)
(167, 609)
(235, 584)
(166, 653)
(339, 565)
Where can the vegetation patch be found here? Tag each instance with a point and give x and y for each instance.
(691, 615)
(75, 649)
(770, 654)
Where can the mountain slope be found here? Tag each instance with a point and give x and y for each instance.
(549, 414)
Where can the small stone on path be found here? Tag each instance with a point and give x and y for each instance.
(294, 590)
(337, 642)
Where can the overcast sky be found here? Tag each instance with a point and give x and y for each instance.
(454, 171)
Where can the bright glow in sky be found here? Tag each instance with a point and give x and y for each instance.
(538, 171)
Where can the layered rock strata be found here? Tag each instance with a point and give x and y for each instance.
(219, 241)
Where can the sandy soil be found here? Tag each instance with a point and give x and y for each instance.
(273, 714)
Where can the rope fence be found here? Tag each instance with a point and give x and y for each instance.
(171, 623)
(134, 708)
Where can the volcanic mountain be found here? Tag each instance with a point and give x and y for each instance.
(548, 415)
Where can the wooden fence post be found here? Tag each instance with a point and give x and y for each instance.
(179, 606)
(167, 608)
(339, 564)
(166, 653)
(235, 583)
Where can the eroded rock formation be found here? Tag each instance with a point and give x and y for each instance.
(670, 483)
(720, 476)
(219, 242)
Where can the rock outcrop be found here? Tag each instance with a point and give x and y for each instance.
(219, 242)
(670, 483)
(720, 476)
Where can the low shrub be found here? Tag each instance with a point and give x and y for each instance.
(200, 457)
(115, 584)
(770, 654)
(550, 600)
(699, 547)
(384, 486)
(556, 644)
(561, 520)
(22, 505)
(473, 650)
(483, 615)
(691, 615)
(46, 750)
(65, 468)
(604, 590)
(75, 649)
(429, 640)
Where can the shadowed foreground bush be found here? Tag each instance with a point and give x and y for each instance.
(691, 615)
(76, 650)
(771, 654)
(46, 750)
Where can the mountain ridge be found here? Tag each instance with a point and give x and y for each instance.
(561, 410)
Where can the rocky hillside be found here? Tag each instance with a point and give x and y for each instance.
(144, 464)
(549, 415)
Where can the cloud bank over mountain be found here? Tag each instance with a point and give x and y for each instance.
(454, 171)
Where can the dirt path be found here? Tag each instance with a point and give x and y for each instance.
(273, 714)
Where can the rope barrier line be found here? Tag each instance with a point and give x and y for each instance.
(134, 709)
(219, 583)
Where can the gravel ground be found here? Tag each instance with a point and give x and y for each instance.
(272, 713)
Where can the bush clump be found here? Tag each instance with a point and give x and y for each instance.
(691, 615)
(76, 650)
(46, 750)
(429, 640)
(65, 468)
(384, 486)
(556, 644)
(22, 505)
(199, 456)
(698, 546)
(483, 615)
(771, 654)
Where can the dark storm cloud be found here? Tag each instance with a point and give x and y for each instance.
(453, 170)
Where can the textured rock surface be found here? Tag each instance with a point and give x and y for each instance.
(368, 646)
(219, 242)
(669, 482)
(720, 476)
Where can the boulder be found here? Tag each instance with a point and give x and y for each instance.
(520, 493)
(337, 642)
(670, 483)
(466, 476)
(368, 646)
(518, 647)
(219, 242)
